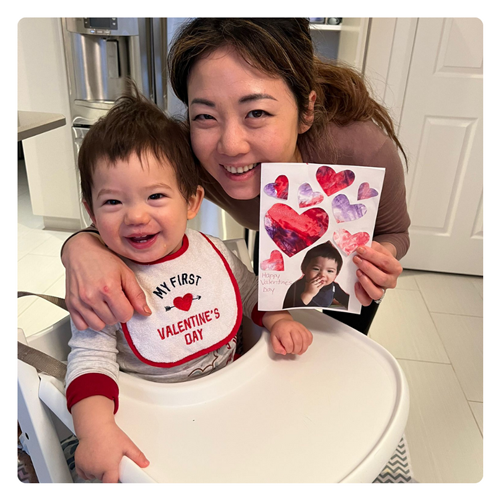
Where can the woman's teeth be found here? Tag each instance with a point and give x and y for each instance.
(240, 170)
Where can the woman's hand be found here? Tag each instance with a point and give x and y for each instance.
(378, 270)
(100, 289)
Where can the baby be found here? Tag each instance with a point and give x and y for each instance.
(140, 187)
(317, 287)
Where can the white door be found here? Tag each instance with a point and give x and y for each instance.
(442, 129)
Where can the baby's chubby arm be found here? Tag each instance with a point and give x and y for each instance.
(102, 444)
(287, 335)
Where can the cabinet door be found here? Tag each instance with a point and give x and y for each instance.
(442, 130)
(352, 43)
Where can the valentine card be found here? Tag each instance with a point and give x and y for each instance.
(312, 219)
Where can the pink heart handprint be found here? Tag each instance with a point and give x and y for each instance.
(349, 242)
(274, 263)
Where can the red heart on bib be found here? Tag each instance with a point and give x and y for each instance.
(349, 242)
(292, 232)
(184, 303)
(274, 263)
(332, 181)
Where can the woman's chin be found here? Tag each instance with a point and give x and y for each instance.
(241, 189)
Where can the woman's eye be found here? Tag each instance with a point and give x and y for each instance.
(257, 113)
(203, 117)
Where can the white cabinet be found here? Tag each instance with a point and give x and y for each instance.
(49, 158)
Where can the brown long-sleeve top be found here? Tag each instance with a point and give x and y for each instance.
(359, 143)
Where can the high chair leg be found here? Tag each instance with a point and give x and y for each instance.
(39, 431)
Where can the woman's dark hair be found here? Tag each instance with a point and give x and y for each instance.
(326, 250)
(136, 125)
(281, 47)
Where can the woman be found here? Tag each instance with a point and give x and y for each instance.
(256, 93)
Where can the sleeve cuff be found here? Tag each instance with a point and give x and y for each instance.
(91, 384)
(257, 316)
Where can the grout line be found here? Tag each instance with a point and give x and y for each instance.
(475, 419)
(424, 361)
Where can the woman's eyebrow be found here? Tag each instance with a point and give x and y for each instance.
(206, 102)
(256, 97)
(242, 100)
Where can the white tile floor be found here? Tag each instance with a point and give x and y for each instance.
(432, 323)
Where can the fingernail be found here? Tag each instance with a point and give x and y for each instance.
(147, 310)
(360, 250)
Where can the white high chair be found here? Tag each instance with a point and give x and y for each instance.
(334, 414)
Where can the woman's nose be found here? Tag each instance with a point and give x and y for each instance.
(233, 140)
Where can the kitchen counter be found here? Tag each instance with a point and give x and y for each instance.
(31, 123)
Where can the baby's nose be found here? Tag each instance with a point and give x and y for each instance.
(137, 216)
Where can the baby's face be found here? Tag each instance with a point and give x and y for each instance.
(138, 208)
(323, 267)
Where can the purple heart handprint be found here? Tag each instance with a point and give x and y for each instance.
(343, 211)
(308, 197)
(365, 191)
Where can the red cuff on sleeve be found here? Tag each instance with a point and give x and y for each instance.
(257, 316)
(91, 384)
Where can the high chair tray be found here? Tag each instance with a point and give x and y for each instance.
(334, 414)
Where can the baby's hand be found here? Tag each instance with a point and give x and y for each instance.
(98, 456)
(287, 335)
(313, 286)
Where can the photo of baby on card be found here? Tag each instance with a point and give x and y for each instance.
(312, 219)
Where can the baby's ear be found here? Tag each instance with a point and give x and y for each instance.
(194, 203)
(89, 211)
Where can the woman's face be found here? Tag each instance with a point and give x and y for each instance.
(239, 118)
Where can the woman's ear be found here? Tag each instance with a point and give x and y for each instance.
(89, 211)
(194, 203)
(309, 116)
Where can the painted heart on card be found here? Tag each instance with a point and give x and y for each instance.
(349, 242)
(184, 303)
(343, 211)
(292, 232)
(307, 197)
(365, 191)
(331, 181)
(278, 188)
(274, 263)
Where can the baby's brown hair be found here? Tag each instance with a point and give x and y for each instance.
(136, 125)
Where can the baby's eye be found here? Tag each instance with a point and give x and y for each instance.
(157, 196)
(112, 202)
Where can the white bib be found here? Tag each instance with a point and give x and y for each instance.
(195, 303)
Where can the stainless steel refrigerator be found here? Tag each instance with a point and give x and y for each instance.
(101, 53)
